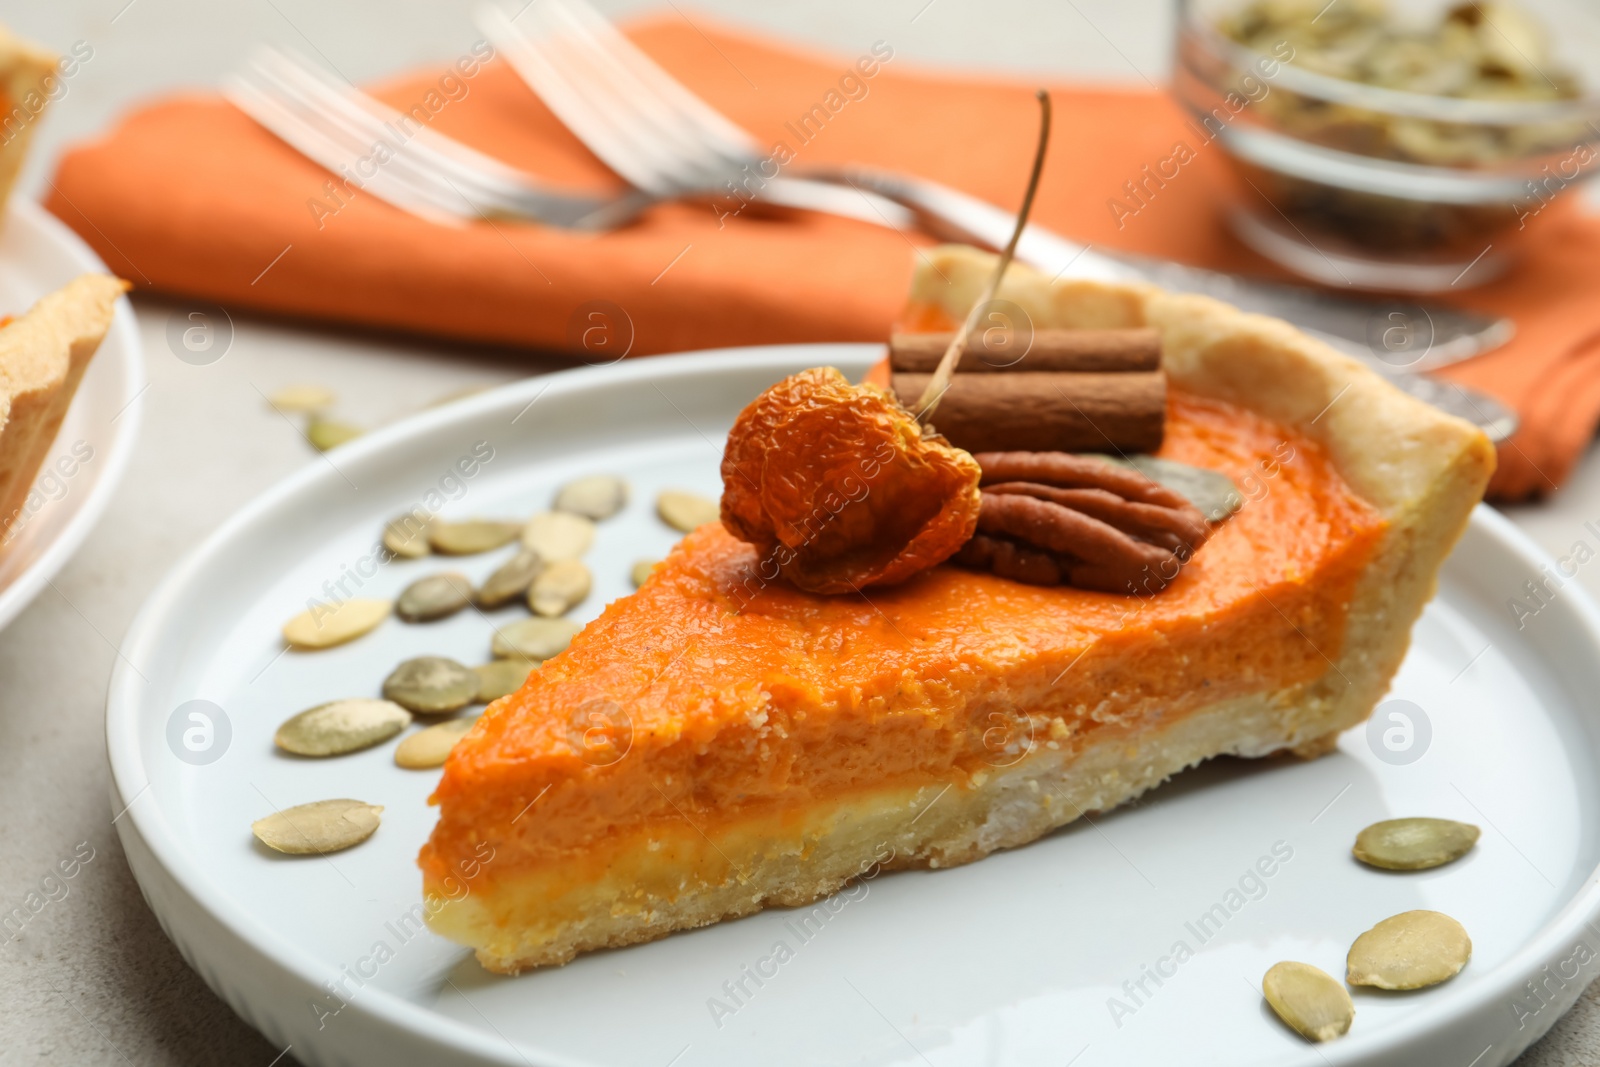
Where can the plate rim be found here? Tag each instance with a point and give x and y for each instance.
(153, 835)
(124, 333)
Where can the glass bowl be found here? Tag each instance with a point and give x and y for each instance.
(1350, 183)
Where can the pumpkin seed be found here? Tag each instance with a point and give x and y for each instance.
(501, 677)
(434, 597)
(325, 626)
(325, 434)
(1211, 491)
(430, 685)
(596, 497)
(407, 537)
(511, 579)
(558, 535)
(1409, 951)
(297, 398)
(470, 537)
(686, 511)
(560, 588)
(642, 569)
(1414, 844)
(430, 747)
(537, 639)
(1310, 1000)
(341, 726)
(319, 827)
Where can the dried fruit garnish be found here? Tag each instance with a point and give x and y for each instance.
(841, 487)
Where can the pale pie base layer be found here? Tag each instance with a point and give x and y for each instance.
(674, 878)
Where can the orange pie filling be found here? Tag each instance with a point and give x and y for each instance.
(720, 741)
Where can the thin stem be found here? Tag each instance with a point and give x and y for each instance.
(947, 364)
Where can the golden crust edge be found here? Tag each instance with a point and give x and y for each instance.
(43, 355)
(1422, 469)
(24, 66)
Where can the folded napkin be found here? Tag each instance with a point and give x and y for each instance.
(189, 196)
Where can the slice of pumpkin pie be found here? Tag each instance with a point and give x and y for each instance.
(43, 355)
(29, 80)
(723, 740)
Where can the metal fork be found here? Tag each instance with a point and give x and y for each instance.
(652, 131)
(389, 154)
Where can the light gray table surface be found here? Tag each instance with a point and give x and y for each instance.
(93, 980)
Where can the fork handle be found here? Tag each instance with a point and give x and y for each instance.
(1349, 320)
(953, 215)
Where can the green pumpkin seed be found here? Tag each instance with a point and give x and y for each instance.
(596, 497)
(558, 535)
(511, 579)
(1414, 844)
(1309, 1000)
(341, 726)
(471, 537)
(560, 588)
(327, 625)
(1409, 951)
(642, 569)
(431, 685)
(298, 398)
(325, 434)
(1211, 491)
(434, 597)
(407, 537)
(501, 677)
(430, 747)
(536, 639)
(319, 827)
(686, 511)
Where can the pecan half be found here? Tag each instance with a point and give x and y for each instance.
(1053, 518)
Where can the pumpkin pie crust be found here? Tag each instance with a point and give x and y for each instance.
(720, 742)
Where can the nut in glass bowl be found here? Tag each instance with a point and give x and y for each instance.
(1406, 145)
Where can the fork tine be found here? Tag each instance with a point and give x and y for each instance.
(605, 103)
(364, 136)
(268, 107)
(633, 153)
(733, 141)
(432, 158)
(616, 80)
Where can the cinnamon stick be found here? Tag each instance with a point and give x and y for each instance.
(1047, 411)
(1049, 350)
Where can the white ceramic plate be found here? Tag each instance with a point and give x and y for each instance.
(1014, 960)
(39, 254)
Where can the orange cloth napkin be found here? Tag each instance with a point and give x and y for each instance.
(190, 196)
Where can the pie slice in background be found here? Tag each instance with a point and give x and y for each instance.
(27, 73)
(719, 741)
(43, 355)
